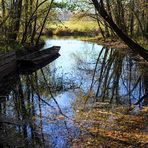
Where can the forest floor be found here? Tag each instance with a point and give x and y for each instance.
(104, 126)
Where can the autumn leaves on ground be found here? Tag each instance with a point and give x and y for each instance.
(104, 126)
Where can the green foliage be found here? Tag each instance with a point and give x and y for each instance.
(60, 5)
(26, 26)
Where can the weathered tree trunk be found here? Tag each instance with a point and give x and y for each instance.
(140, 28)
(3, 9)
(17, 18)
(35, 24)
(26, 12)
(131, 18)
(2, 28)
(134, 46)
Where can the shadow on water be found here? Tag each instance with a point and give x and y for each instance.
(36, 109)
(32, 116)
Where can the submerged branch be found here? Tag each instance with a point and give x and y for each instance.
(52, 95)
(39, 95)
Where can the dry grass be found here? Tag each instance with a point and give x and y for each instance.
(113, 128)
(74, 28)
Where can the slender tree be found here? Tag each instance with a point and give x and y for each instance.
(134, 46)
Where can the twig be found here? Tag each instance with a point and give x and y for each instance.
(52, 94)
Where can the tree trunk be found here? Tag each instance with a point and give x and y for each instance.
(45, 19)
(134, 46)
(3, 9)
(35, 24)
(32, 14)
(131, 19)
(17, 18)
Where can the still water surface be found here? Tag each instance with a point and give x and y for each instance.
(37, 110)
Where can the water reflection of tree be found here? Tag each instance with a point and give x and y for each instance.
(22, 114)
(116, 77)
(119, 76)
(18, 117)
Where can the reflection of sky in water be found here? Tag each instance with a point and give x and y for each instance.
(75, 64)
(67, 67)
(69, 48)
(56, 127)
(74, 54)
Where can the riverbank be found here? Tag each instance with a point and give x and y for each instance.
(109, 42)
(53, 91)
(88, 31)
(72, 28)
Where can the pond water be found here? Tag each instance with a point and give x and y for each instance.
(36, 110)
